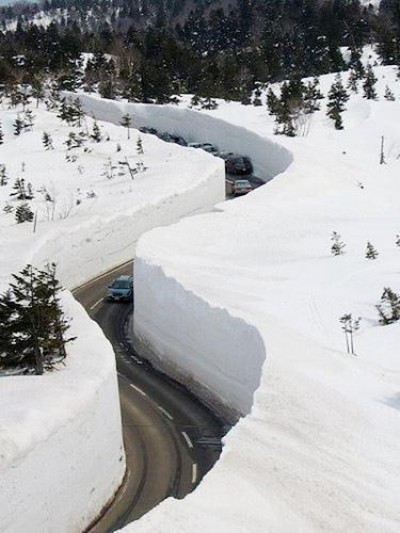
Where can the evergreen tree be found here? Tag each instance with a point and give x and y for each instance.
(337, 97)
(273, 103)
(209, 103)
(3, 175)
(257, 96)
(23, 213)
(96, 133)
(389, 307)
(371, 252)
(352, 82)
(139, 146)
(126, 122)
(18, 125)
(397, 241)
(47, 141)
(312, 95)
(355, 63)
(195, 101)
(28, 119)
(32, 323)
(338, 245)
(19, 189)
(389, 94)
(369, 84)
(1, 135)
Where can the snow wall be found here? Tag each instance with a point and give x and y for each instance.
(268, 157)
(102, 243)
(62, 456)
(170, 322)
(182, 334)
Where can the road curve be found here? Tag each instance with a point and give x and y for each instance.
(171, 439)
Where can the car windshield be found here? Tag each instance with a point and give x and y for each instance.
(121, 284)
(243, 183)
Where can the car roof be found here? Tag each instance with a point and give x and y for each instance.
(124, 277)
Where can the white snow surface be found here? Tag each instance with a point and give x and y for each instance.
(61, 455)
(319, 448)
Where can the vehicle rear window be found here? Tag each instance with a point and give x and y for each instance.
(121, 284)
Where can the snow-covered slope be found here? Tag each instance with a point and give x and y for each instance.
(319, 450)
(61, 455)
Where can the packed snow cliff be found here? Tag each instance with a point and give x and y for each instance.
(319, 449)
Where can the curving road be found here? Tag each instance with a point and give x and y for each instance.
(171, 439)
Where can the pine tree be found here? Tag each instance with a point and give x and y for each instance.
(273, 103)
(77, 113)
(19, 189)
(312, 95)
(23, 213)
(356, 64)
(139, 146)
(337, 97)
(3, 175)
(352, 82)
(29, 118)
(1, 135)
(397, 241)
(369, 84)
(32, 323)
(96, 132)
(126, 122)
(389, 307)
(18, 125)
(257, 96)
(389, 94)
(47, 141)
(195, 101)
(371, 252)
(64, 111)
(209, 103)
(338, 246)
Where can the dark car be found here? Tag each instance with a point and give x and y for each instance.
(121, 289)
(177, 139)
(238, 165)
(241, 187)
(144, 129)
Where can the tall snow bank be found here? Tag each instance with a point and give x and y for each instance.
(61, 450)
(269, 158)
(190, 340)
(319, 450)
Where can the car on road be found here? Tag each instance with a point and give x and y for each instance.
(238, 165)
(241, 187)
(121, 289)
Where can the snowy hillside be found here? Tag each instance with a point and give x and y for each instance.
(319, 450)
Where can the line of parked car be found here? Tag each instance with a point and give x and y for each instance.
(236, 165)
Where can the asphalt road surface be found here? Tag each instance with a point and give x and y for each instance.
(171, 439)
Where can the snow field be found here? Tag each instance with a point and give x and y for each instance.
(62, 457)
(319, 449)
